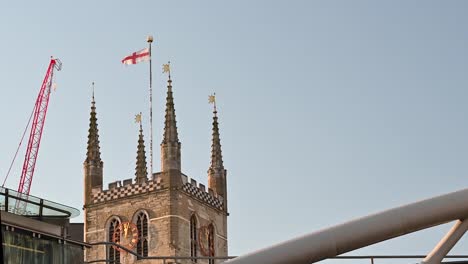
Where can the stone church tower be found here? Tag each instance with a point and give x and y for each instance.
(170, 214)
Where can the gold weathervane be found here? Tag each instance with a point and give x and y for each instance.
(138, 118)
(212, 100)
(167, 68)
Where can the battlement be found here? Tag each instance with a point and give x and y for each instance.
(199, 191)
(125, 188)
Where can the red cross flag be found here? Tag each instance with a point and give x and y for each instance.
(136, 57)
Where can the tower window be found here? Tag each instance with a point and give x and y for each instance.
(113, 254)
(193, 238)
(142, 225)
(211, 243)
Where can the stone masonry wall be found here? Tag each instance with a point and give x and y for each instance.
(205, 215)
(156, 204)
(169, 213)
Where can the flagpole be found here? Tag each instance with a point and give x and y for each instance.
(150, 40)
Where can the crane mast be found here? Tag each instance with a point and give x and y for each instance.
(40, 111)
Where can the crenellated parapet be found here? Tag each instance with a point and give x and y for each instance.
(127, 188)
(124, 189)
(199, 192)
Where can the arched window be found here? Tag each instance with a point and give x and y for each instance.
(142, 225)
(193, 237)
(211, 233)
(112, 253)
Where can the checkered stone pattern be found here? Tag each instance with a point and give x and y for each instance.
(204, 196)
(127, 190)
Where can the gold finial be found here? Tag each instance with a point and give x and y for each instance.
(212, 100)
(138, 118)
(167, 68)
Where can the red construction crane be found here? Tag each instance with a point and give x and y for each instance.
(40, 111)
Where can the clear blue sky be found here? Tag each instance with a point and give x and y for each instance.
(329, 110)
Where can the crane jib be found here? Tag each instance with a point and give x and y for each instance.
(32, 149)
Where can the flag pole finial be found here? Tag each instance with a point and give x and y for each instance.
(149, 39)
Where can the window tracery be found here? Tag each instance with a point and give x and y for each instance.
(193, 237)
(113, 254)
(142, 225)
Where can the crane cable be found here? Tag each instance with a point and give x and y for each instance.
(16, 154)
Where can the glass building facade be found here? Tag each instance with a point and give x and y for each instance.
(36, 231)
(21, 246)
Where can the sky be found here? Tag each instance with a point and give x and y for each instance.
(328, 110)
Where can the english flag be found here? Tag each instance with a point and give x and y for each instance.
(136, 57)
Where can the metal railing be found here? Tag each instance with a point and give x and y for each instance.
(35, 206)
(372, 258)
(165, 259)
(168, 259)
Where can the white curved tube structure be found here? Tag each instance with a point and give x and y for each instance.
(447, 243)
(363, 232)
